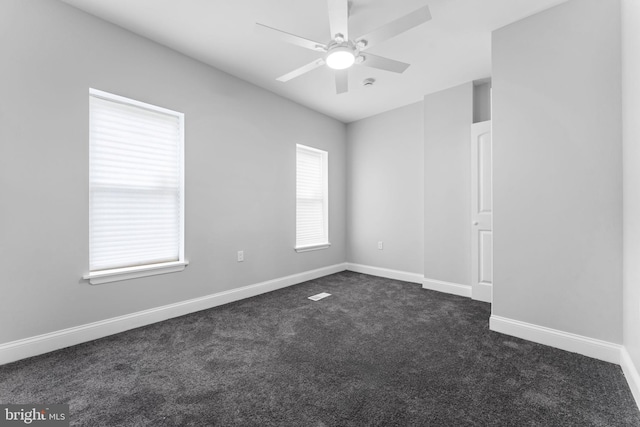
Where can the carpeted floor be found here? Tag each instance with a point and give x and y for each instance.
(378, 352)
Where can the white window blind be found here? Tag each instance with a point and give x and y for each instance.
(136, 183)
(312, 226)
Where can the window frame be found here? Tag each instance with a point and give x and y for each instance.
(325, 167)
(125, 273)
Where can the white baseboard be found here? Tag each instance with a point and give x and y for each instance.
(481, 292)
(385, 272)
(45, 343)
(631, 374)
(602, 350)
(447, 287)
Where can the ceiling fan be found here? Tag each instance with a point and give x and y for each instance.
(341, 52)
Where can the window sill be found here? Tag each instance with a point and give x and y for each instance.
(117, 274)
(312, 247)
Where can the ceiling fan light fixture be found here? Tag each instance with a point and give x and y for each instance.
(341, 52)
(340, 58)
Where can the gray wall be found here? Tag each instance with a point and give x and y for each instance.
(385, 178)
(631, 149)
(481, 101)
(240, 170)
(557, 170)
(447, 184)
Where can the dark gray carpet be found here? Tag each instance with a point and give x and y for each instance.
(377, 352)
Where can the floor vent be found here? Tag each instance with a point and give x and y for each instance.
(319, 296)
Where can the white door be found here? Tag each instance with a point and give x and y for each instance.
(481, 212)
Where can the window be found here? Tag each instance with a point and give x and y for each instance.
(136, 189)
(312, 219)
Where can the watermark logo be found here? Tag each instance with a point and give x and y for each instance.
(34, 415)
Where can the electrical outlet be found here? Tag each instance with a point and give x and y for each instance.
(380, 246)
(240, 256)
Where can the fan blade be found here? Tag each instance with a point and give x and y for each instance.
(300, 71)
(396, 27)
(342, 81)
(339, 18)
(375, 61)
(290, 38)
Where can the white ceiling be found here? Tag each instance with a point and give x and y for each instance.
(453, 48)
